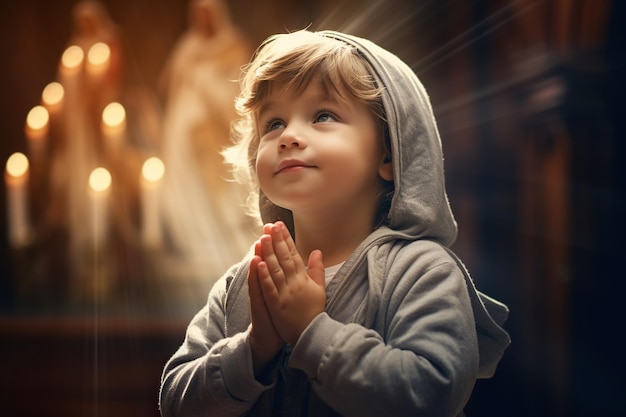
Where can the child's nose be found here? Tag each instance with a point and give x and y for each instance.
(291, 138)
(292, 143)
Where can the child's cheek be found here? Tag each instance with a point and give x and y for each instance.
(264, 165)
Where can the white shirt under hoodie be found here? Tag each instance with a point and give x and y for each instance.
(405, 332)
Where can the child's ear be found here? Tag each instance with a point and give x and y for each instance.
(385, 168)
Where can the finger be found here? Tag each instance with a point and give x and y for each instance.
(254, 288)
(291, 245)
(257, 302)
(267, 286)
(253, 285)
(316, 268)
(283, 254)
(258, 250)
(252, 267)
(272, 263)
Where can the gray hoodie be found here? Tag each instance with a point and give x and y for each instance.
(405, 332)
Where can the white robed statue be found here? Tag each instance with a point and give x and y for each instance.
(205, 224)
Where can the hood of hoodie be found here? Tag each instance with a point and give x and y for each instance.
(420, 208)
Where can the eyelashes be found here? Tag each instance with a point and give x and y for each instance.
(327, 115)
(272, 124)
(320, 116)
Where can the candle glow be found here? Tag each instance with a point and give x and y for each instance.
(151, 172)
(37, 118)
(17, 165)
(99, 179)
(113, 114)
(99, 183)
(98, 54)
(16, 180)
(153, 169)
(36, 131)
(72, 57)
(53, 94)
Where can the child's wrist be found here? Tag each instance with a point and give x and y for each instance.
(262, 352)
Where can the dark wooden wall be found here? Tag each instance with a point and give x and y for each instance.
(529, 99)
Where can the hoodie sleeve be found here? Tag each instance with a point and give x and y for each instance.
(423, 362)
(210, 374)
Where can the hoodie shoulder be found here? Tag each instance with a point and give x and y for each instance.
(489, 315)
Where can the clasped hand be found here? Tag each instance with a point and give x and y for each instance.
(284, 296)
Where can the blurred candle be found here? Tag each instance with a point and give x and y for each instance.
(52, 97)
(99, 190)
(16, 179)
(113, 124)
(151, 175)
(72, 59)
(98, 58)
(36, 129)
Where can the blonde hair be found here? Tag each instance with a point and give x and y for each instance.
(292, 61)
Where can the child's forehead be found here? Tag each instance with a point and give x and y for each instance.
(317, 88)
(279, 95)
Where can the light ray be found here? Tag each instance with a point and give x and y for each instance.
(497, 19)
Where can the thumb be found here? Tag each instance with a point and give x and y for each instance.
(316, 268)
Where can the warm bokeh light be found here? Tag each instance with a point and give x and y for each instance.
(37, 118)
(72, 57)
(99, 53)
(99, 179)
(53, 94)
(17, 164)
(113, 114)
(153, 169)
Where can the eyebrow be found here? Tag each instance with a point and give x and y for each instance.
(324, 96)
(265, 107)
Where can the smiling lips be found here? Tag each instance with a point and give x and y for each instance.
(291, 165)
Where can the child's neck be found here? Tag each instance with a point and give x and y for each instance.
(336, 238)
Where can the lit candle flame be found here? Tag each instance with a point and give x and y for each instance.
(98, 54)
(113, 114)
(17, 165)
(100, 179)
(153, 169)
(16, 180)
(72, 57)
(53, 94)
(37, 118)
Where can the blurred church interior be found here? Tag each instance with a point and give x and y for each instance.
(116, 218)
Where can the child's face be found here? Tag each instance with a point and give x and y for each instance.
(318, 152)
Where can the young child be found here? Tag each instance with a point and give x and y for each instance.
(350, 303)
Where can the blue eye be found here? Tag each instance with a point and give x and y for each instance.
(325, 116)
(273, 124)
